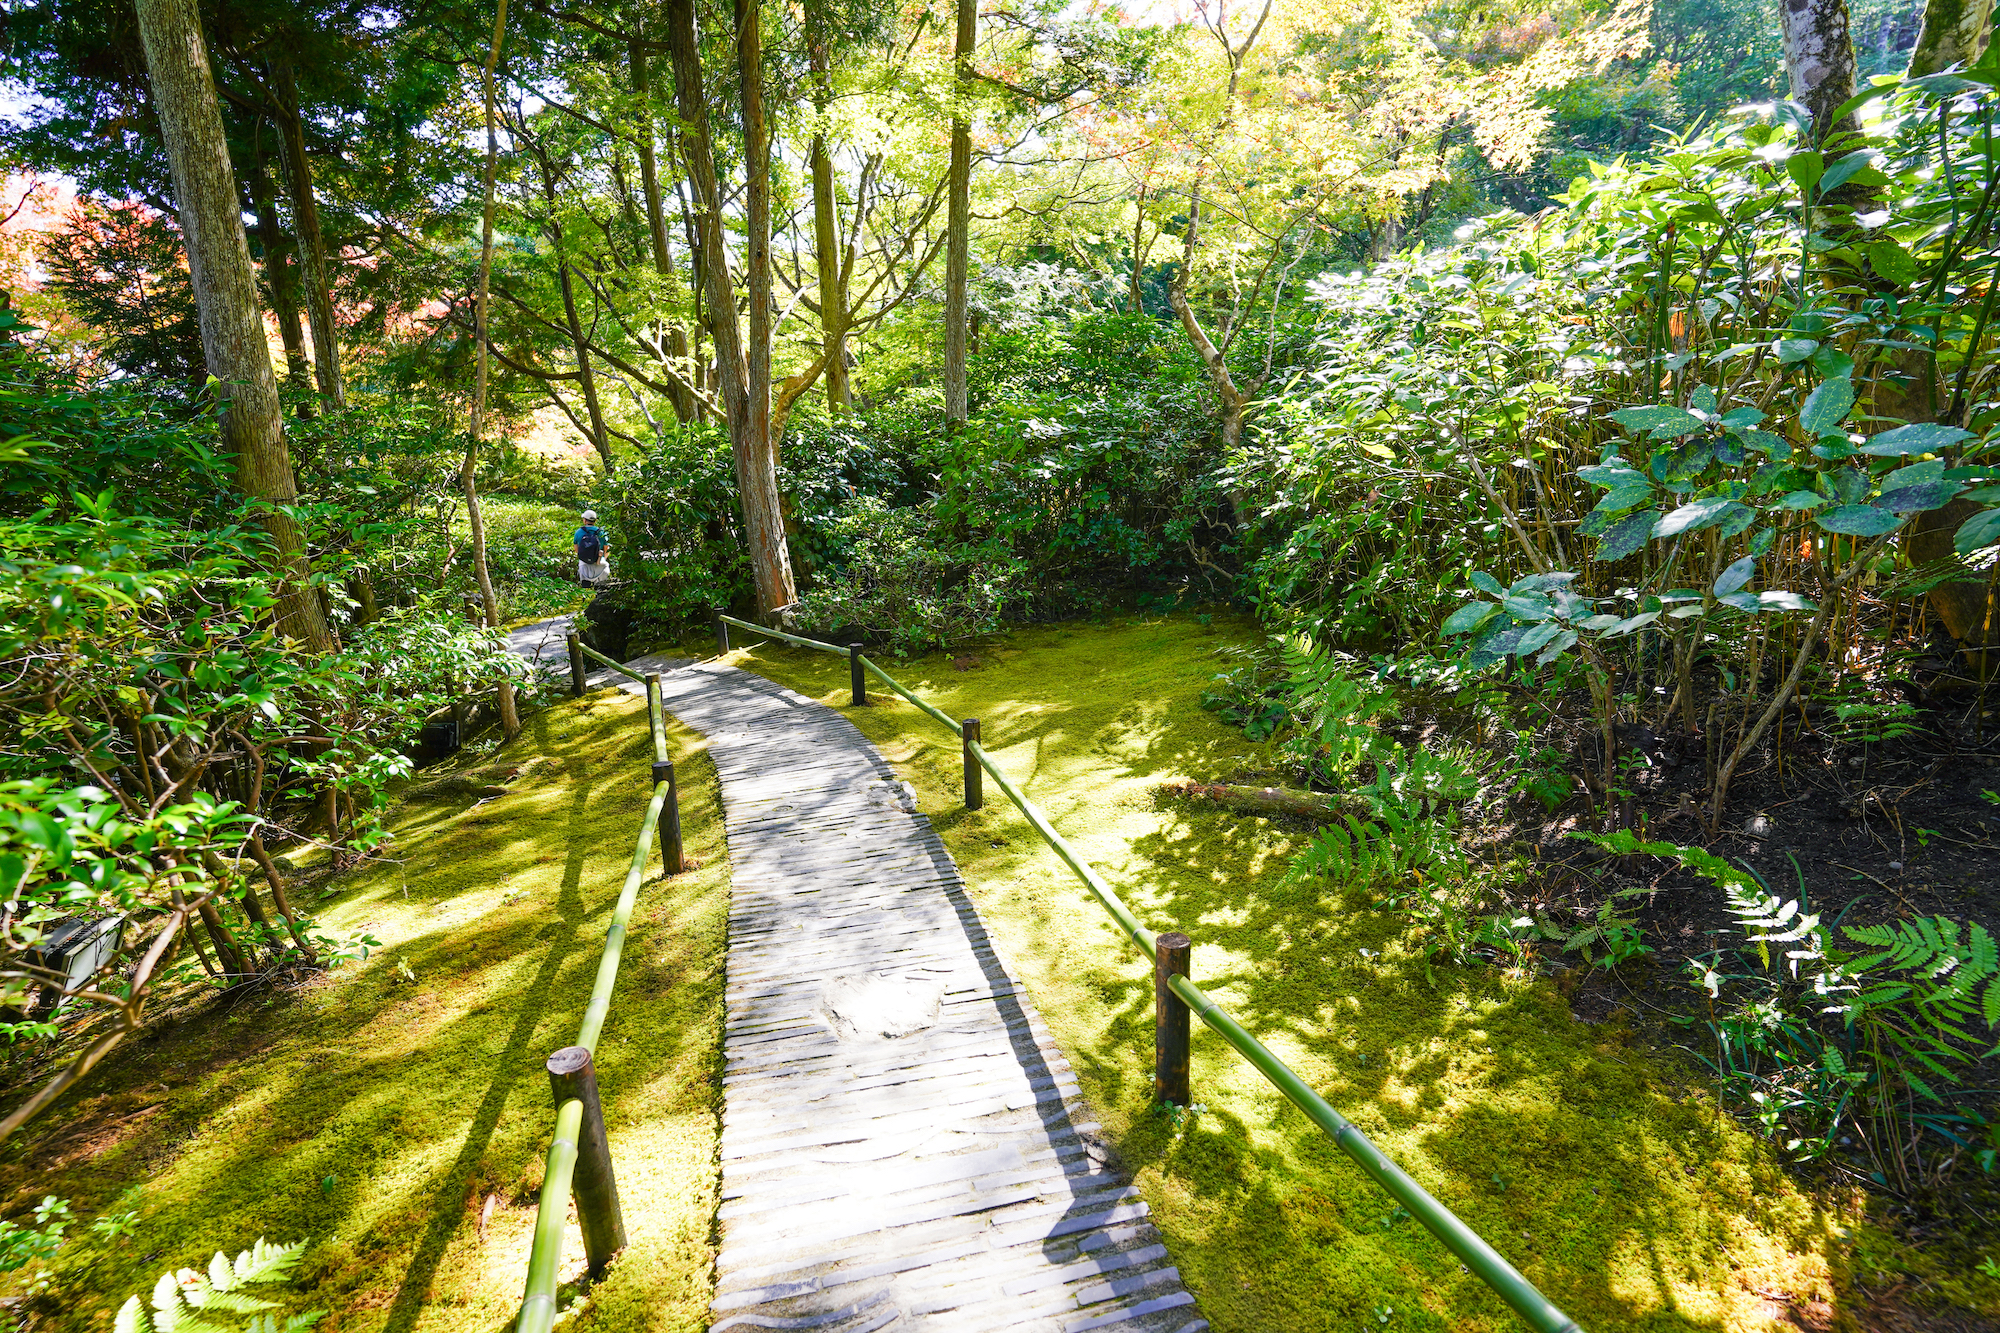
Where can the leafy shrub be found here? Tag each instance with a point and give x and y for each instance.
(897, 582)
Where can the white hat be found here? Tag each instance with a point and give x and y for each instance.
(590, 516)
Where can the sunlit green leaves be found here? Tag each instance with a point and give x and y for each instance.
(1658, 420)
(1827, 406)
(1858, 520)
(1918, 438)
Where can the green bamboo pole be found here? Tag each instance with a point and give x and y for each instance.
(656, 717)
(897, 686)
(1142, 938)
(1485, 1262)
(619, 667)
(538, 1301)
(614, 937)
(788, 638)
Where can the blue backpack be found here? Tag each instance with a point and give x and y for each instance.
(590, 544)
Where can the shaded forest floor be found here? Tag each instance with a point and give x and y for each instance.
(395, 1111)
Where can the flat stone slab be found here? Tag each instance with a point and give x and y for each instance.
(903, 1145)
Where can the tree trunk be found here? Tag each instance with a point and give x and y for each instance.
(278, 275)
(312, 245)
(756, 477)
(232, 331)
(757, 448)
(468, 475)
(586, 378)
(958, 220)
(1271, 802)
(675, 337)
(1819, 60)
(1955, 32)
(1229, 399)
(826, 224)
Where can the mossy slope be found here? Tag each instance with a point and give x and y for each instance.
(376, 1113)
(1591, 1164)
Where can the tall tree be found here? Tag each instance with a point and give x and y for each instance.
(826, 217)
(673, 338)
(1819, 61)
(225, 288)
(279, 276)
(305, 225)
(1955, 32)
(958, 217)
(468, 473)
(755, 455)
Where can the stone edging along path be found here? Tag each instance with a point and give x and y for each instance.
(903, 1145)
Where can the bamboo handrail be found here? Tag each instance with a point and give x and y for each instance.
(538, 1299)
(1480, 1258)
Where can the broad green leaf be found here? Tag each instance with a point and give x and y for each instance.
(1470, 617)
(1557, 646)
(1915, 499)
(1693, 516)
(1846, 169)
(1742, 601)
(1893, 262)
(1658, 420)
(1794, 349)
(1734, 577)
(1742, 418)
(1827, 406)
(1916, 474)
(1627, 535)
(1485, 582)
(1763, 441)
(1527, 606)
(1855, 520)
(1786, 601)
(1598, 622)
(1803, 500)
(1921, 437)
(1494, 646)
(1805, 168)
(1978, 532)
(1832, 363)
(1536, 637)
(1620, 498)
(1630, 623)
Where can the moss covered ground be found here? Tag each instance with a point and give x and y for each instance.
(378, 1109)
(1599, 1167)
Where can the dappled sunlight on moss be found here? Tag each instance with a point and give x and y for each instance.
(376, 1109)
(1595, 1165)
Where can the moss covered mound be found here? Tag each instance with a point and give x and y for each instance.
(380, 1108)
(1594, 1164)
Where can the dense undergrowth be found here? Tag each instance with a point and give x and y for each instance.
(394, 1113)
(1592, 1153)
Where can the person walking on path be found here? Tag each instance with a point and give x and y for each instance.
(593, 546)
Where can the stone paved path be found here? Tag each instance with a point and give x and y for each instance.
(903, 1145)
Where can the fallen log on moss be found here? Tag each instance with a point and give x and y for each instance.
(1270, 802)
(485, 783)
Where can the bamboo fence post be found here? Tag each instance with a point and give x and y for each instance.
(857, 679)
(1171, 956)
(671, 857)
(721, 632)
(575, 664)
(572, 1076)
(975, 795)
